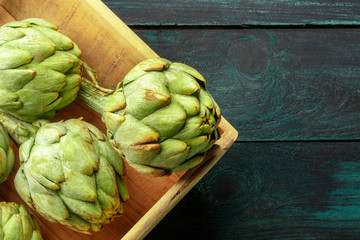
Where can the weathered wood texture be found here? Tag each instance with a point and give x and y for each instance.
(307, 190)
(236, 12)
(275, 84)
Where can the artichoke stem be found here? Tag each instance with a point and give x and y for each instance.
(19, 130)
(93, 96)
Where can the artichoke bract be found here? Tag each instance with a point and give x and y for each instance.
(17, 223)
(70, 173)
(40, 69)
(161, 117)
(7, 156)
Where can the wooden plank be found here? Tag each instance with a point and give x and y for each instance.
(236, 13)
(91, 23)
(5, 16)
(307, 190)
(275, 84)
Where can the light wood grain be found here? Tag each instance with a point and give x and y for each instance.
(111, 48)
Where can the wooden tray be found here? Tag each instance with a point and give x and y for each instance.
(111, 48)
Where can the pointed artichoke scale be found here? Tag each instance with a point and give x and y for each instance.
(9, 101)
(192, 128)
(125, 133)
(111, 206)
(4, 138)
(149, 171)
(26, 226)
(8, 165)
(42, 180)
(113, 155)
(50, 133)
(112, 121)
(15, 79)
(94, 131)
(33, 106)
(22, 186)
(216, 109)
(51, 206)
(69, 91)
(190, 163)
(7, 211)
(116, 102)
(190, 103)
(13, 227)
(3, 161)
(78, 154)
(67, 97)
(78, 127)
(79, 186)
(60, 62)
(205, 98)
(197, 144)
(153, 64)
(8, 34)
(35, 43)
(39, 22)
(12, 57)
(23, 211)
(146, 95)
(181, 82)
(185, 68)
(106, 178)
(36, 235)
(75, 50)
(72, 81)
(46, 80)
(86, 210)
(143, 153)
(77, 223)
(17, 24)
(45, 162)
(122, 189)
(61, 41)
(167, 121)
(173, 153)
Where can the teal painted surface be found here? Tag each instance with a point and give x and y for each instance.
(236, 12)
(307, 190)
(275, 85)
(291, 87)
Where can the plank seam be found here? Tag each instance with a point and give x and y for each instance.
(297, 141)
(242, 26)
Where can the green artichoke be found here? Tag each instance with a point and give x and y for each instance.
(18, 223)
(70, 173)
(7, 157)
(40, 69)
(161, 116)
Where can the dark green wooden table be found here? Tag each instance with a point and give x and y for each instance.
(287, 76)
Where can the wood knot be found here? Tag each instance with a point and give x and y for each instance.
(249, 57)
